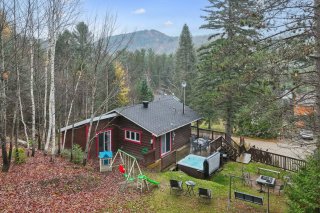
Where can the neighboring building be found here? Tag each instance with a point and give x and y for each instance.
(154, 129)
(304, 107)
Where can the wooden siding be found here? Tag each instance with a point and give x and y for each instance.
(182, 137)
(79, 137)
(118, 126)
(128, 146)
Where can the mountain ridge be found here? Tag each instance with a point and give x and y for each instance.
(153, 39)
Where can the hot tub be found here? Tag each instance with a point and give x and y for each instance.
(198, 166)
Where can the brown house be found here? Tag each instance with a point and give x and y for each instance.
(154, 129)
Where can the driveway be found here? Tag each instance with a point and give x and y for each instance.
(291, 148)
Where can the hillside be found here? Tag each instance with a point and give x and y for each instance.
(159, 42)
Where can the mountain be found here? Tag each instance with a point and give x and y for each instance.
(158, 41)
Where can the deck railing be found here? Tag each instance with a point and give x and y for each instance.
(215, 144)
(168, 160)
(211, 134)
(149, 157)
(276, 160)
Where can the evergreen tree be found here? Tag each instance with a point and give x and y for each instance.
(224, 62)
(185, 62)
(145, 93)
(304, 190)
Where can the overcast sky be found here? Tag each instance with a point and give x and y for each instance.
(167, 16)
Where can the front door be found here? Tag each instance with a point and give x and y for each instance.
(104, 141)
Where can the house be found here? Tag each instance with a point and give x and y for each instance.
(149, 131)
(304, 108)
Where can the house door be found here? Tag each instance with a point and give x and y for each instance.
(165, 143)
(104, 141)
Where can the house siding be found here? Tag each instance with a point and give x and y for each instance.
(128, 146)
(118, 126)
(79, 137)
(182, 137)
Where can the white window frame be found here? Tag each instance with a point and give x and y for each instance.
(170, 140)
(134, 138)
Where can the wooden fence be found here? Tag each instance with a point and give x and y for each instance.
(276, 160)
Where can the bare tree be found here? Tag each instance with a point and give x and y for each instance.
(104, 54)
(60, 13)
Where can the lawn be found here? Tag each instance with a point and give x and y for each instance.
(41, 186)
(160, 200)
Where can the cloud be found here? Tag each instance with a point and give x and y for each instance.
(139, 11)
(168, 23)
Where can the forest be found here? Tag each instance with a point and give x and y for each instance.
(261, 59)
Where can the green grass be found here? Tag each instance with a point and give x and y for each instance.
(160, 200)
(217, 126)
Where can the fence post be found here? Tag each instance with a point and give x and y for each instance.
(212, 138)
(285, 163)
(198, 129)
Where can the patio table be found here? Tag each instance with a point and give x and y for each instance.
(265, 180)
(202, 143)
(190, 185)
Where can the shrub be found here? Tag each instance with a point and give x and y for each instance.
(303, 193)
(20, 157)
(77, 154)
(66, 153)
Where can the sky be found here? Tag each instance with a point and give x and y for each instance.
(167, 16)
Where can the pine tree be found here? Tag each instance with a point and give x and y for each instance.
(145, 93)
(224, 62)
(185, 61)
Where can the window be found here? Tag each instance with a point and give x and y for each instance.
(165, 143)
(133, 136)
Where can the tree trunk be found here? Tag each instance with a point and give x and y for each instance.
(88, 141)
(70, 110)
(3, 137)
(229, 119)
(3, 116)
(52, 95)
(72, 137)
(33, 108)
(317, 63)
(44, 135)
(21, 109)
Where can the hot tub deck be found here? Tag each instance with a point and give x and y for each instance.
(192, 165)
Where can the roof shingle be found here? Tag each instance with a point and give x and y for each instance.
(161, 116)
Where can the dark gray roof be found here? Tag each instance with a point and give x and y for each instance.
(161, 116)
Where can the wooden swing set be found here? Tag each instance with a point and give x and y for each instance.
(129, 167)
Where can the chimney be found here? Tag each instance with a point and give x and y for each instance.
(145, 104)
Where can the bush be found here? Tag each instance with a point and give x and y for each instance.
(303, 193)
(66, 153)
(20, 157)
(77, 154)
